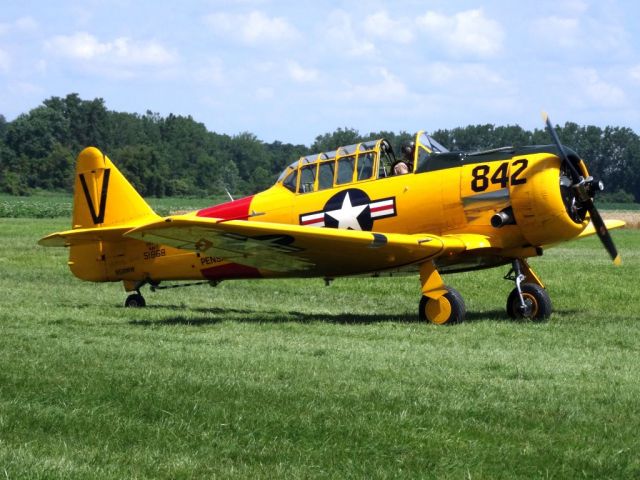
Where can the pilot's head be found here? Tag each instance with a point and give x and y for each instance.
(400, 168)
(408, 149)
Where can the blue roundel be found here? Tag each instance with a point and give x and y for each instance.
(349, 209)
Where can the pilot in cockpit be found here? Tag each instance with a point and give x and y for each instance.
(405, 165)
(400, 168)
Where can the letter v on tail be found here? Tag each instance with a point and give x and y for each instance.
(99, 217)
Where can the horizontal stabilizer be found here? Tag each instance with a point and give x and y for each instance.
(81, 236)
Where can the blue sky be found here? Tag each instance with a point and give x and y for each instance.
(290, 71)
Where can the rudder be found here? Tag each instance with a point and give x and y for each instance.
(102, 195)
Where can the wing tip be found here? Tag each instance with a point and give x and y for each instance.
(53, 240)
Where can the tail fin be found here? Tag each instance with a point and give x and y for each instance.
(105, 205)
(102, 196)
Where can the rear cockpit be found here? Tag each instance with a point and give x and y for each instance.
(360, 162)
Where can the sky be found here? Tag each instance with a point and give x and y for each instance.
(293, 70)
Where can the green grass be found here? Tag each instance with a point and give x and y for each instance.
(45, 204)
(618, 206)
(270, 379)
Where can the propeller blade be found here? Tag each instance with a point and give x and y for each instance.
(577, 177)
(603, 233)
(583, 195)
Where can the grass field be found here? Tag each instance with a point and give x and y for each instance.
(291, 379)
(54, 205)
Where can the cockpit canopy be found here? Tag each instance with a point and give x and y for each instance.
(365, 161)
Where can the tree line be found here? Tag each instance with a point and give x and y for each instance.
(178, 156)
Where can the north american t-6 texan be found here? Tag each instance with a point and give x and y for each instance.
(357, 210)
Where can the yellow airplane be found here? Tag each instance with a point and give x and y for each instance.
(356, 210)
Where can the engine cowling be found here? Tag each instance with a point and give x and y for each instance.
(545, 207)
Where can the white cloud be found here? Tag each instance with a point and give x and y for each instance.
(341, 34)
(457, 76)
(557, 31)
(26, 24)
(587, 33)
(596, 90)
(381, 25)
(253, 28)
(574, 6)
(84, 46)
(459, 93)
(22, 24)
(389, 88)
(634, 73)
(301, 74)
(464, 33)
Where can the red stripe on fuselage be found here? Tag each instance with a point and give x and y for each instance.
(235, 210)
(230, 271)
(378, 209)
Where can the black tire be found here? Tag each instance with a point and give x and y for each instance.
(452, 303)
(135, 300)
(536, 299)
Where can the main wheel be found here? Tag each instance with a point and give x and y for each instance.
(135, 300)
(448, 309)
(537, 304)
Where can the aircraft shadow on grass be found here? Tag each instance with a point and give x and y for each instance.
(212, 316)
(215, 315)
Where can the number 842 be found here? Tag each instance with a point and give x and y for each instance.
(481, 180)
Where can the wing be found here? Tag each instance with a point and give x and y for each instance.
(591, 230)
(610, 224)
(294, 248)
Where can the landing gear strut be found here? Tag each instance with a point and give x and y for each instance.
(136, 300)
(529, 299)
(439, 304)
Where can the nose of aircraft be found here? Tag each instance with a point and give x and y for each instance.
(578, 193)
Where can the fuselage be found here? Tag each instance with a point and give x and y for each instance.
(445, 194)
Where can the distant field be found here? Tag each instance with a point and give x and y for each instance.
(635, 207)
(632, 217)
(53, 205)
(291, 379)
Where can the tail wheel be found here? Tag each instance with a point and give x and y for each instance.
(537, 304)
(135, 300)
(447, 309)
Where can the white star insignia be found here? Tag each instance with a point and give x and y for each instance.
(347, 216)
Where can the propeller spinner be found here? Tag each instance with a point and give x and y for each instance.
(582, 191)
